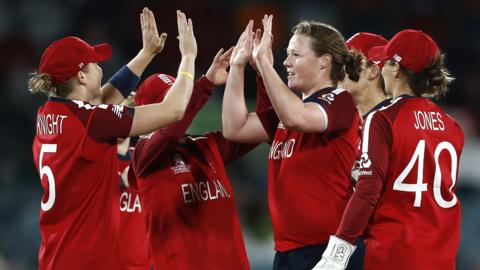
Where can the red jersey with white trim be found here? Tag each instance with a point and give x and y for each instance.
(309, 173)
(75, 152)
(406, 189)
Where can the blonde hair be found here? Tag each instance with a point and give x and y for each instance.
(43, 83)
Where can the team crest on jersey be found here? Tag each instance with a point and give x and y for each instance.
(180, 166)
(330, 97)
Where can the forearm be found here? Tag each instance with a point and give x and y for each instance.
(179, 94)
(234, 108)
(111, 94)
(360, 208)
(286, 104)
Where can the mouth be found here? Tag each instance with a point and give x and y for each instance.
(290, 74)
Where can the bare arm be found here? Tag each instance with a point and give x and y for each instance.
(238, 124)
(152, 45)
(154, 116)
(290, 109)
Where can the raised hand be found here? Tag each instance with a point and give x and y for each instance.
(152, 42)
(243, 50)
(264, 48)
(187, 41)
(256, 43)
(217, 72)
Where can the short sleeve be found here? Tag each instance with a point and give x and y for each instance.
(109, 122)
(339, 108)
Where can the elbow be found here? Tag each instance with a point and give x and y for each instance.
(177, 115)
(228, 133)
(290, 122)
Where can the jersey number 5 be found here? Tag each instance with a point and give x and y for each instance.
(419, 187)
(45, 170)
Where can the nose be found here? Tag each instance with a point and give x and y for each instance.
(287, 62)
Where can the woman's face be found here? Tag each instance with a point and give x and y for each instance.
(302, 64)
(389, 71)
(93, 73)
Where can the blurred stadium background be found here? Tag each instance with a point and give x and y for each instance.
(28, 26)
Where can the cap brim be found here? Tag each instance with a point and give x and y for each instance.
(378, 53)
(104, 52)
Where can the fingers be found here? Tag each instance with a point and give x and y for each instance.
(258, 36)
(190, 25)
(153, 23)
(163, 38)
(228, 53)
(218, 55)
(181, 22)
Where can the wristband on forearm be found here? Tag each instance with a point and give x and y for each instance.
(125, 81)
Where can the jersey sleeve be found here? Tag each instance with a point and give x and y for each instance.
(375, 147)
(338, 108)
(229, 150)
(109, 122)
(151, 148)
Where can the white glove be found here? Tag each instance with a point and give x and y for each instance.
(336, 256)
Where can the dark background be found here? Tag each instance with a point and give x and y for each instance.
(28, 26)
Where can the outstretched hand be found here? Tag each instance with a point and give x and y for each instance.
(256, 43)
(243, 50)
(217, 72)
(187, 41)
(262, 51)
(152, 42)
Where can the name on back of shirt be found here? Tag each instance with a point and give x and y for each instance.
(50, 124)
(428, 121)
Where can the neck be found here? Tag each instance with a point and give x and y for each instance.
(81, 93)
(318, 86)
(402, 88)
(367, 99)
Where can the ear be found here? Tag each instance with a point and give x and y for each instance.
(325, 60)
(373, 72)
(81, 77)
(396, 69)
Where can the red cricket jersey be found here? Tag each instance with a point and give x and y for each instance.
(309, 173)
(75, 152)
(406, 189)
(192, 220)
(191, 215)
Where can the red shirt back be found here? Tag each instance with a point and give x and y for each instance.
(75, 151)
(192, 220)
(309, 173)
(411, 151)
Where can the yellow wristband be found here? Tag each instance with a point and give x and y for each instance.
(187, 74)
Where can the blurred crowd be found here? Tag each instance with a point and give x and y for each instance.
(28, 26)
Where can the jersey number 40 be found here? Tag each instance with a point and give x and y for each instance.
(419, 187)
